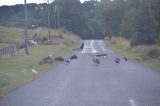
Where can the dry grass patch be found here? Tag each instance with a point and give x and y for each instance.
(121, 42)
(16, 35)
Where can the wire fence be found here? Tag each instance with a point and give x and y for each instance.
(12, 50)
(9, 51)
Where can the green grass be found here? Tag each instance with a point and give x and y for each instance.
(153, 63)
(124, 52)
(16, 71)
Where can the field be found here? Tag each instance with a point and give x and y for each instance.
(16, 71)
(143, 54)
(16, 35)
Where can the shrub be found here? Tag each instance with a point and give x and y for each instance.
(121, 42)
(153, 53)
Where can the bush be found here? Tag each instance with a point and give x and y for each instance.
(121, 42)
(153, 53)
(145, 51)
(139, 40)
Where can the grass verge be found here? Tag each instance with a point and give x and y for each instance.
(133, 53)
(16, 71)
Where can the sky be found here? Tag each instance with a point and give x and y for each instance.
(13, 2)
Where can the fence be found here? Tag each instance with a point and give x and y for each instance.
(9, 51)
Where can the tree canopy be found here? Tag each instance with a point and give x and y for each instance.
(136, 20)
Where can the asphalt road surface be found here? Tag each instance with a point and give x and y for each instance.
(85, 83)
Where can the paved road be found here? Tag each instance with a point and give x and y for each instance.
(85, 83)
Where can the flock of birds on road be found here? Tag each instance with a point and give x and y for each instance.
(96, 59)
(50, 59)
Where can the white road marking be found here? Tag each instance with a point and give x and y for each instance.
(132, 102)
(103, 48)
(89, 47)
(92, 45)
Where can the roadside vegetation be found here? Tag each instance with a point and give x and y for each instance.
(148, 55)
(16, 71)
(133, 25)
(13, 35)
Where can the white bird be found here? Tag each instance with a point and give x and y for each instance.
(33, 43)
(35, 73)
(50, 54)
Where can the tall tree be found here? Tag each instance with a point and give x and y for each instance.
(146, 25)
(71, 15)
(113, 15)
(128, 25)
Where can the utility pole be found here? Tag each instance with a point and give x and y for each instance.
(26, 27)
(55, 16)
(58, 17)
(49, 24)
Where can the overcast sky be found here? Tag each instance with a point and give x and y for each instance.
(12, 2)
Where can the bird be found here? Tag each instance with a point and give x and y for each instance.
(35, 73)
(96, 61)
(49, 59)
(51, 54)
(60, 59)
(116, 61)
(67, 61)
(125, 58)
(82, 46)
(73, 57)
(102, 55)
(99, 55)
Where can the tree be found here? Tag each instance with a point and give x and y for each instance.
(113, 15)
(71, 15)
(128, 25)
(146, 25)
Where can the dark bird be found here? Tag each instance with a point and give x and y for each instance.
(67, 61)
(73, 57)
(82, 46)
(118, 59)
(96, 61)
(102, 55)
(117, 62)
(60, 59)
(125, 58)
(47, 60)
(99, 55)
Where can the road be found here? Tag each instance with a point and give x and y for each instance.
(85, 83)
